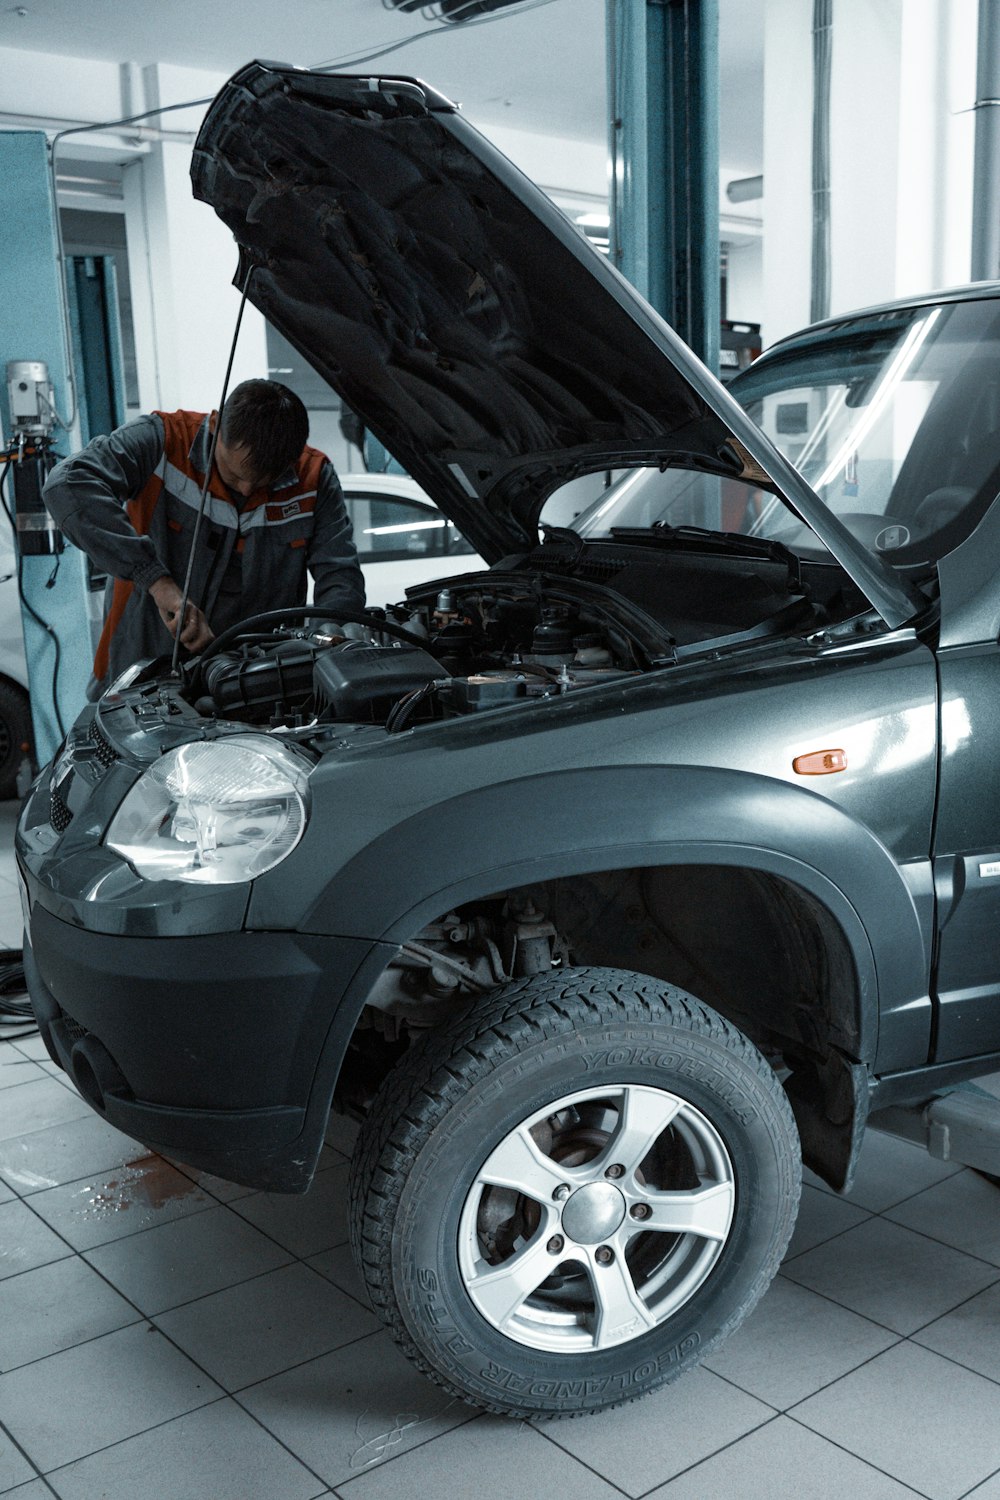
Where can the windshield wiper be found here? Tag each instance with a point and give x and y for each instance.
(732, 542)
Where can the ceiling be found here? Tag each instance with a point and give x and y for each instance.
(539, 69)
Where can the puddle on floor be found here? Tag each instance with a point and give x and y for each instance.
(147, 1184)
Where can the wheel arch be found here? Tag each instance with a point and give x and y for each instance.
(558, 825)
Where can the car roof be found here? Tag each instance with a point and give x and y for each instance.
(973, 291)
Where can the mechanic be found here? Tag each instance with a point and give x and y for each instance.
(274, 508)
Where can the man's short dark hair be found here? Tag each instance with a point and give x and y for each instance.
(268, 420)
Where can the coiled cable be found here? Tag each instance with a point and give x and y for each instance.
(17, 1019)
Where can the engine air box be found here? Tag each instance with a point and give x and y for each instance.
(362, 682)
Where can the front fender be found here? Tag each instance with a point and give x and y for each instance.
(581, 821)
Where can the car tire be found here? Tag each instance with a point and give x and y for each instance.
(503, 1242)
(15, 733)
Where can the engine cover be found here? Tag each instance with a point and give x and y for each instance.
(356, 681)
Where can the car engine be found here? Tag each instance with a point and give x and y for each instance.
(462, 650)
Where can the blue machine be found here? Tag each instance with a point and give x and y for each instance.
(54, 577)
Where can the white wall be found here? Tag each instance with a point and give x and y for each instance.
(902, 130)
(936, 144)
(181, 257)
(745, 282)
(557, 164)
(182, 260)
(68, 88)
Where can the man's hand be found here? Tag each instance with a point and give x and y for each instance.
(195, 632)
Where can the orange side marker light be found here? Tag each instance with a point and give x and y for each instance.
(820, 762)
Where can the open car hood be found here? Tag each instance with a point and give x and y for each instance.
(470, 325)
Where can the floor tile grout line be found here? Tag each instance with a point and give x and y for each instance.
(106, 1447)
(827, 1297)
(879, 1212)
(964, 1303)
(80, 1344)
(232, 1287)
(946, 1243)
(474, 1412)
(978, 1484)
(837, 1235)
(901, 1339)
(150, 1318)
(843, 1305)
(27, 1458)
(17, 1083)
(300, 1364)
(216, 1401)
(993, 1379)
(529, 1422)
(295, 1257)
(922, 1494)
(192, 1361)
(768, 1421)
(783, 1411)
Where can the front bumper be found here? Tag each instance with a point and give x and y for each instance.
(208, 1049)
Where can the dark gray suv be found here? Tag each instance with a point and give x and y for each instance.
(606, 886)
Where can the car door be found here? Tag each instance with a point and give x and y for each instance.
(967, 853)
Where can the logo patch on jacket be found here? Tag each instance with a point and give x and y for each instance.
(283, 510)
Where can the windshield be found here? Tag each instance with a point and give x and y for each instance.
(893, 418)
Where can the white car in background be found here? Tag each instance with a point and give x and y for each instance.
(401, 536)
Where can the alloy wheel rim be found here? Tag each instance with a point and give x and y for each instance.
(596, 1219)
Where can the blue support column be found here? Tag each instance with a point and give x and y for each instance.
(31, 327)
(663, 96)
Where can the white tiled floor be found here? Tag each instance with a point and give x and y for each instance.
(165, 1336)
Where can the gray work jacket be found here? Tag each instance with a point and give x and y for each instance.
(130, 500)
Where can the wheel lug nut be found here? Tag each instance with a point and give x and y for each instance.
(640, 1210)
(604, 1255)
(555, 1244)
(615, 1170)
(561, 1192)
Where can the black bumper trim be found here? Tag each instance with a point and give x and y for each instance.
(232, 1132)
(203, 1049)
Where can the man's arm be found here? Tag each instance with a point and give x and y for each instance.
(338, 584)
(86, 495)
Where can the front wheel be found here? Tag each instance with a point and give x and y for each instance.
(571, 1195)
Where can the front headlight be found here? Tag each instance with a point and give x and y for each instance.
(216, 812)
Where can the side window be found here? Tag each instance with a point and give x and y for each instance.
(388, 529)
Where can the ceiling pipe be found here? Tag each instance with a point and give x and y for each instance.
(745, 189)
(130, 134)
(985, 186)
(819, 292)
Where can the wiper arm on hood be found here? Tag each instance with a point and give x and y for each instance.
(732, 542)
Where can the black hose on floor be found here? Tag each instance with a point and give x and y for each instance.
(17, 1019)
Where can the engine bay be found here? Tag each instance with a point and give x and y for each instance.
(485, 641)
(463, 650)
